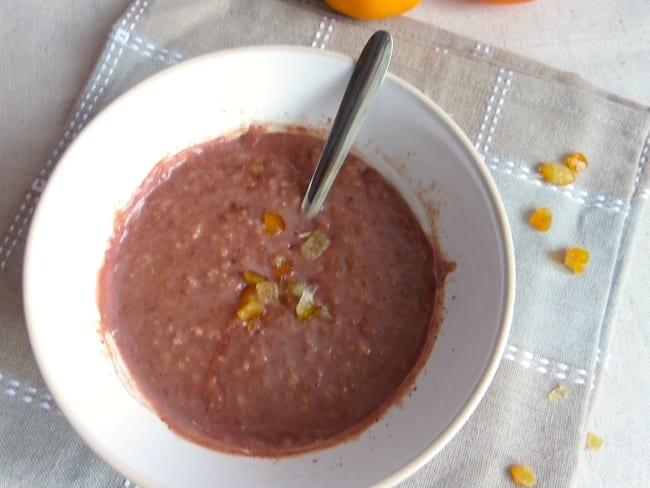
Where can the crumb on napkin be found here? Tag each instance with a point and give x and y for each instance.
(541, 219)
(523, 475)
(594, 442)
(559, 392)
(576, 259)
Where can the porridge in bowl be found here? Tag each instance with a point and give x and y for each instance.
(251, 330)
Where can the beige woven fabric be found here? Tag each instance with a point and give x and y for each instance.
(516, 111)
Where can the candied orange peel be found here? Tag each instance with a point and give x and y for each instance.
(259, 292)
(250, 310)
(541, 219)
(267, 292)
(558, 393)
(556, 173)
(315, 244)
(297, 287)
(523, 475)
(273, 223)
(577, 162)
(306, 305)
(282, 267)
(594, 442)
(248, 294)
(576, 259)
(253, 277)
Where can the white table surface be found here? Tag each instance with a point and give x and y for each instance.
(50, 46)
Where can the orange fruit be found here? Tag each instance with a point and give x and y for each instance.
(371, 9)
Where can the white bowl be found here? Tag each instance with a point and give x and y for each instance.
(406, 137)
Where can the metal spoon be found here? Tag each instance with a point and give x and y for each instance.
(364, 84)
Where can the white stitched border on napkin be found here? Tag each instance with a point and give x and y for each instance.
(577, 194)
(324, 32)
(559, 369)
(29, 395)
(149, 49)
(562, 370)
(481, 50)
(643, 160)
(493, 109)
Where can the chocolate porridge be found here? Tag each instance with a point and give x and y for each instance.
(249, 329)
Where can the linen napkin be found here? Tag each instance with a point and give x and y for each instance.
(517, 112)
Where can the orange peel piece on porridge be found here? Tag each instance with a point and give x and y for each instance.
(267, 292)
(315, 244)
(250, 311)
(282, 267)
(253, 277)
(306, 305)
(273, 223)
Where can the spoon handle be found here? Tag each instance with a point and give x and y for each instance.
(364, 84)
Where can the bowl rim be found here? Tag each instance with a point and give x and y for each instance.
(504, 232)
